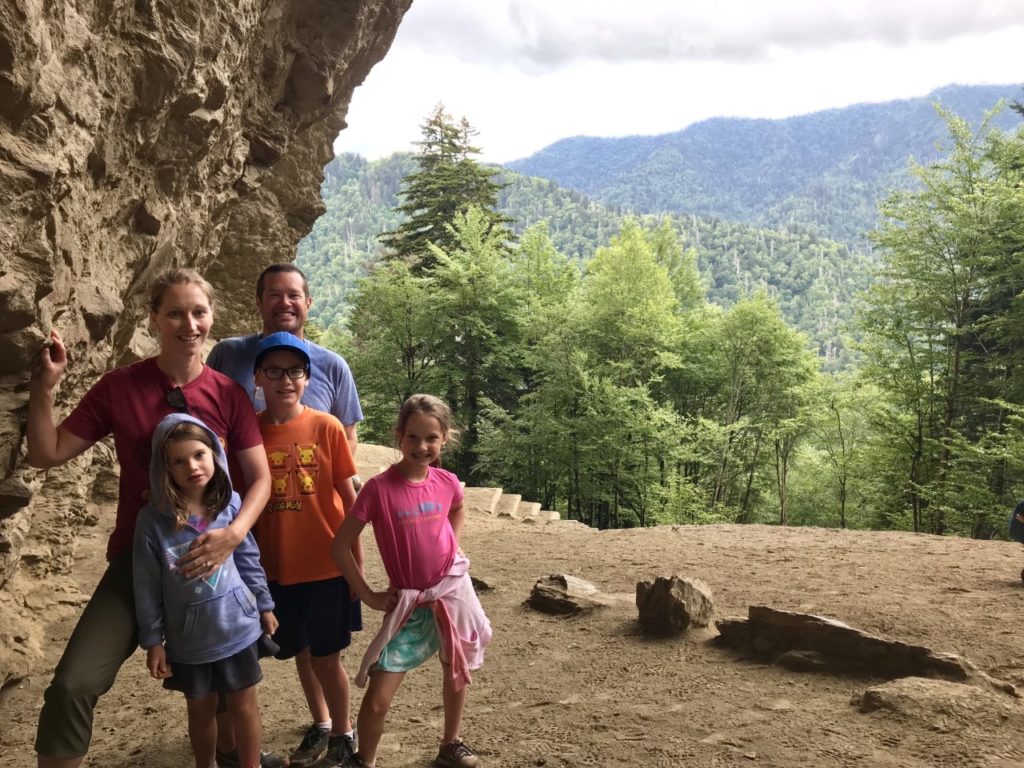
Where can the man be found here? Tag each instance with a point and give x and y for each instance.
(283, 301)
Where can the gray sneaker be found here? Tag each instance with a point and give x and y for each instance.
(340, 751)
(456, 754)
(312, 748)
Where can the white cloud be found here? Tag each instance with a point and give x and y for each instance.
(549, 34)
(607, 81)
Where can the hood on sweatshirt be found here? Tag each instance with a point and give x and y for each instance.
(158, 463)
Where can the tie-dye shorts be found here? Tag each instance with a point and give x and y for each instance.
(416, 641)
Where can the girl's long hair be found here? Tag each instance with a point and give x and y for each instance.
(429, 406)
(217, 492)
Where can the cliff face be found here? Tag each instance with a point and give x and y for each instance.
(135, 135)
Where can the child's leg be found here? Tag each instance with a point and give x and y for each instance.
(336, 691)
(376, 703)
(312, 688)
(225, 727)
(454, 704)
(245, 714)
(202, 729)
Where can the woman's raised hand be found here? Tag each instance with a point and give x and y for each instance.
(53, 359)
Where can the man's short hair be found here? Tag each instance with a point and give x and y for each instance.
(275, 269)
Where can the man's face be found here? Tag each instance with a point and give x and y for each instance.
(284, 304)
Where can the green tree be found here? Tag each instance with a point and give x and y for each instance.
(447, 181)
(479, 309)
(763, 366)
(937, 343)
(631, 322)
(681, 265)
(394, 338)
(840, 428)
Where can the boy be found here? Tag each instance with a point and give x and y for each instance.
(311, 490)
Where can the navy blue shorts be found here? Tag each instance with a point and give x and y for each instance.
(230, 675)
(319, 615)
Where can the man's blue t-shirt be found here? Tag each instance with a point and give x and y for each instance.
(331, 387)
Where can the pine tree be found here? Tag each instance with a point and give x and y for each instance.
(447, 182)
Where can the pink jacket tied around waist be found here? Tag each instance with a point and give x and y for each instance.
(461, 622)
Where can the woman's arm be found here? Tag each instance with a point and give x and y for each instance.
(49, 446)
(256, 471)
(212, 548)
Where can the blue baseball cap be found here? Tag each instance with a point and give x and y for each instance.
(281, 340)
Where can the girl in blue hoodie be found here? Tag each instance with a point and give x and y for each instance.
(201, 635)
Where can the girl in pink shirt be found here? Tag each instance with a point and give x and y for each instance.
(416, 512)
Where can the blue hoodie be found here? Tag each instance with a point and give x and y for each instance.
(201, 620)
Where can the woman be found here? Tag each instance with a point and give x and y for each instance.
(128, 403)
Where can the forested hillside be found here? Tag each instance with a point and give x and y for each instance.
(814, 280)
(632, 370)
(360, 197)
(826, 171)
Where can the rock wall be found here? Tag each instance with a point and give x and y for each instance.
(137, 134)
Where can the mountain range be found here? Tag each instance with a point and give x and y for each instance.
(782, 205)
(825, 170)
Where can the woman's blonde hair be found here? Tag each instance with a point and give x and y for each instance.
(177, 276)
(217, 493)
(430, 406)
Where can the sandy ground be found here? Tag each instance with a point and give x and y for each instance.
(590, 691)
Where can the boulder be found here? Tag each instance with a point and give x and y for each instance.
(808, 641)
(940, 705)
(669, 605)
(563, 595)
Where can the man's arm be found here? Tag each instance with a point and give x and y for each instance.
(352, 437)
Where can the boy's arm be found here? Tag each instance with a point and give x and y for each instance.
(348, 498)
(345, 468)
(247, 561)
(345, 541)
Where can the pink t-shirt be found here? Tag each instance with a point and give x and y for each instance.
(130, 401)
(411, 526)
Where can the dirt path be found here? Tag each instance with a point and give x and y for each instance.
(588, 691)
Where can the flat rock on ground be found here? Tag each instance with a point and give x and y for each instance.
(592, 691)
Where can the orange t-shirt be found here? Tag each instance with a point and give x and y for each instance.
(309, 457)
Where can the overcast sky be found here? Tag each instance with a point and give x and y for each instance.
(526, 73)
